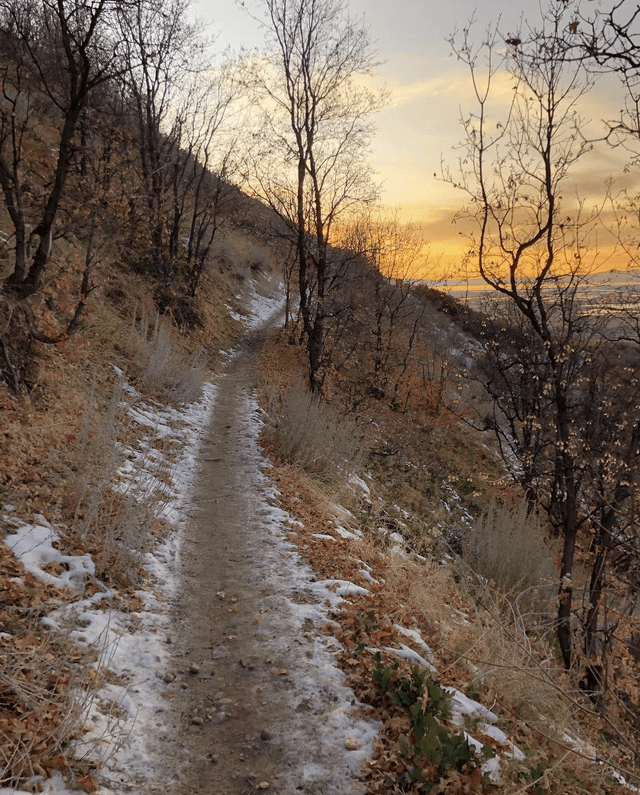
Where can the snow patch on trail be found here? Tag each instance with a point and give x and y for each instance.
(53, 786)
(262, 307)
(258, 308)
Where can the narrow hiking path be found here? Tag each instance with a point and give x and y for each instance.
(253, 696)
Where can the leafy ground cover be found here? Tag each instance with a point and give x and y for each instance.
(470, 692)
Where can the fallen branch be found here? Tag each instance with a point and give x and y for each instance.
(33, 329)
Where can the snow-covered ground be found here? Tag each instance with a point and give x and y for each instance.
(258, 308)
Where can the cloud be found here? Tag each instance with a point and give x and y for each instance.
(402, 95)
(450, 84)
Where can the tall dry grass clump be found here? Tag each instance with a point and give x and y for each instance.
(240, 255)
(509, 551)
(165, 371)
(115, 525)
(311, 434)
(114, 520)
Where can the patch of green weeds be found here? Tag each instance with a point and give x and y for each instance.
(8, 622)
(465, 487)
(536, 775)
(369, 622)
(473, 691)
(431, 744)
(139, 264)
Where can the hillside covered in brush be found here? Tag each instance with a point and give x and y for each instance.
(486, 458)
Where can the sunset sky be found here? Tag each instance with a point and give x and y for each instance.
(428, 86)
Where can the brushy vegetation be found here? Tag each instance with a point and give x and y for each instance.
(115, 526)
(167, 373)
(312, 435)
(508, 550)
(39, 677)
(432, 752)
(240, 256)
(485, 611)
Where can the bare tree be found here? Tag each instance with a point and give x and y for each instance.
(386, 306)
(208, 143)
(163, 47)
(309, 160)
(180, 106)
(607, 42)
(55, 54)
(544, 346)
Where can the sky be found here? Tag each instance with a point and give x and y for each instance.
(420, 127)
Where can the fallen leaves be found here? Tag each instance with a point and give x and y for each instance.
(36, 682)
(35, 702)
(367, 621)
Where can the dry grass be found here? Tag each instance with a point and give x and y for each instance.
(38, 714)
(488, 626)
(509, 551)
(306, 431)
(484, 645)
(167, 372)
(476, 648)
(239, 255)
(40, 674)
(114, 523)
(312, 434)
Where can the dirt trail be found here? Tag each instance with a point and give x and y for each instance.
(254, 694)
(221, 597)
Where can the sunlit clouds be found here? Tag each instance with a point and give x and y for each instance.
(430, 92)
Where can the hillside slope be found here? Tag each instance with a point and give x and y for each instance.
(248, 697)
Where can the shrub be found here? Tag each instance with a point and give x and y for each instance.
(508, 551)
(166, 372)
(313, 435)
(116, 525)
(39, 716)
(431, 749)
(240, 255)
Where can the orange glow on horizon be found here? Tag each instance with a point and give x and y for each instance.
(447, 260)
